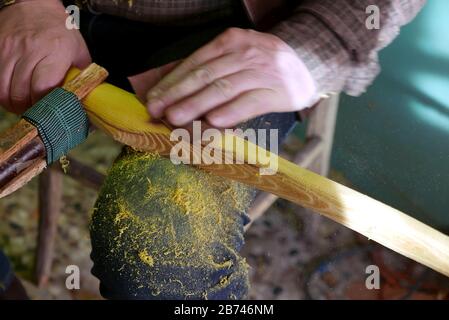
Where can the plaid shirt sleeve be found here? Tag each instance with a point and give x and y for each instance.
(165, 12)
(332, 39)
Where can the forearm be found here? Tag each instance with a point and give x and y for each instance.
(332, 39)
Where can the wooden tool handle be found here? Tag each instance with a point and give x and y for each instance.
(22, 152)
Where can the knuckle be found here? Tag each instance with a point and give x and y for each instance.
(277, 43)
(167, 82)
(18, 98)
(6, 41)
(30, 41)
(263, 66)
(230, 35)
(56, 42)
(203, 75)
(192, 61)
(252, 31)
(234, 32)
(154, 94)
(224, 87)
(251, 54)
(163, 101)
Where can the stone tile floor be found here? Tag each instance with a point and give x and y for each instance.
(289, 260)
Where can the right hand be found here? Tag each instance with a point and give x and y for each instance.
(36, 51)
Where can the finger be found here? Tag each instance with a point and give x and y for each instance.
(48, 74)
(195, 81)
(6, 72)
(219, 92)
(230, 40)
(247, 106)
(143, 82)
(190, 63)
(20, 91)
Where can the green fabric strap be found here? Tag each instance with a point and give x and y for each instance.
(61, 122)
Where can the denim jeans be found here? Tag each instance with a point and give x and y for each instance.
(6, 273)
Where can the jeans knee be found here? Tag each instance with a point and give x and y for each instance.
(161, 231)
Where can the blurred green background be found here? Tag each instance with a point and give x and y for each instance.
(392, 143)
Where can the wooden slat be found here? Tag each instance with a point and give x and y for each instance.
(15, 138)
(321, 124)
(50, 204)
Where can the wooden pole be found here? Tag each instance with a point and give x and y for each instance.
(50, 204)
(84, 174)
(22, 152)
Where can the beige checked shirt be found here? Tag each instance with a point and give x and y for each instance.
(330, 36)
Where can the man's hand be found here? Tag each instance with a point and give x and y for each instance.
(239, 75)
(36, 50)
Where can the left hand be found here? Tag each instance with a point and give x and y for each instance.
(238, 76)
